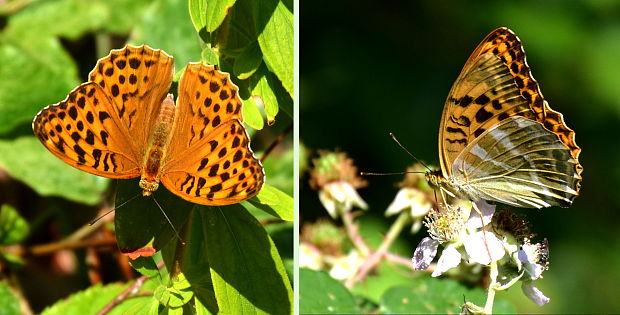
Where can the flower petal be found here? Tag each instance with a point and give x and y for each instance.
(424, 253)
(400, 202)
(487, 210)
(450, 258)
(534, 293)
(328, 202)
(484, 247)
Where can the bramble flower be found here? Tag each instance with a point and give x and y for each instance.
(464, 236)
(345, 267)
(412, 196)
(336, 178)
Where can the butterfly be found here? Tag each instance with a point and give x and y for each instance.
(122, 123)
(498, 139)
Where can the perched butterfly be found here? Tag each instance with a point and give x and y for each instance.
(499, 140)
(124, 124)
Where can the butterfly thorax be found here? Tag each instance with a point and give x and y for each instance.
(156, 151)
(449, 185)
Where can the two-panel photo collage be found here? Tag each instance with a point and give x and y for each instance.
(329, 157)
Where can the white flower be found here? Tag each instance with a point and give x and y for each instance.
(345, 267)
(451, 227)
(339, 197)
(534, 258)
(534, 293)
(310, 256)
(409, 198)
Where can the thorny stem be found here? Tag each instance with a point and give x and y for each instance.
(381, 251)
(353, 233)
(493, 273)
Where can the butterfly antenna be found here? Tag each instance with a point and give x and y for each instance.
(169, 222)
(113, 209)
(413, 156)
(395, 173)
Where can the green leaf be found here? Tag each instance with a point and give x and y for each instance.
(246, 269)
(123, 15)
(251, 114)
(155, 29)
(321, 294)
(146, 266)
(42, 19)
(175, 295)
(431, 295)
(198, 14)
(139, 305)
(89, 301)
(216, 12)
(275, 202)
(26, 159)
(209, 56)
(274, 25)
(34, 73)
(140, 225)
(248, 61)
(263, 89)
(13, 227)
(10, 304)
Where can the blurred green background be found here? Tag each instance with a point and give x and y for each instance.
(368, 68)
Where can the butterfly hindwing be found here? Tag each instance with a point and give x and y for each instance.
(219, 170)
(520, 163)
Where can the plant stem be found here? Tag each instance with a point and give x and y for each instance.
(353, 233)
(375, 258)
(493, 273)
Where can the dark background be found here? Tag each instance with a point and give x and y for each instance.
(368, 68)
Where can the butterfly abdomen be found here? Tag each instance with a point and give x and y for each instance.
(158, 144)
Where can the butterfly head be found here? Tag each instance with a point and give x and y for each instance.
(434, 178)
(148, 186)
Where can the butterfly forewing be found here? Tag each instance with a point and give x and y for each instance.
(84, 132)
(136, 79)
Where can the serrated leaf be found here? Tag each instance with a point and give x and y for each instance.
(34, 73)
(179, 41)
(216, 13)
(248, 61)
(321, 294)
(13, 227)
(198, 13)
(10, 303)
(27, 160)
(89, 301)
(274, 22)
(274, 202)
(246, 269)
(251, 114)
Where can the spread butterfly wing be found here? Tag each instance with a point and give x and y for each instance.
(210, 160)
(137, 80)
(518, 162)
(84, 132)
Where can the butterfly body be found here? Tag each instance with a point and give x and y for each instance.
(151, 171)
(124, 124)
(499, 140)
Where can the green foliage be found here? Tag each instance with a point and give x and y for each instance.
(89, 301)
(13, 227)
(320, 294)
(10, 304)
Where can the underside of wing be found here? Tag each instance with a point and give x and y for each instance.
(217, 170)
(496, 83)
(83, 132)
(520, 163)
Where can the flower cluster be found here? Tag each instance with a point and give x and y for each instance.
(479, 237)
